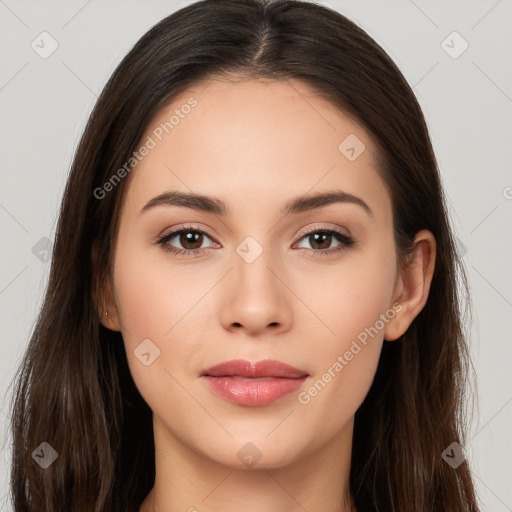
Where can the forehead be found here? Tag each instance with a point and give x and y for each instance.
(253, 140)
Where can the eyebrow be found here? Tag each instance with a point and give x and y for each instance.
(214, 205)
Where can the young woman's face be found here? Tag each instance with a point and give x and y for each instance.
(254, 289)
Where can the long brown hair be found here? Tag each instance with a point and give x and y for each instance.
(74, 389)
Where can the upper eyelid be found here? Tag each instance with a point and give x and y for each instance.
(325, 228)
(185, 228)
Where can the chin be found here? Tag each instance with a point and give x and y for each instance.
(252, 453)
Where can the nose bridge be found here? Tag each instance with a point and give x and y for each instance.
(252, 270)
(257, 298)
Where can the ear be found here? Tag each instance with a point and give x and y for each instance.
(413, 285)
(104, 299)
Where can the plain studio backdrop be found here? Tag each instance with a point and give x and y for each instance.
(455, 55)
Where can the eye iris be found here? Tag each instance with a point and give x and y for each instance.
(326, 236)
(190, 237)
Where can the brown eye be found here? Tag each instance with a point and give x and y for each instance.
(322, 239)
(185, 241)
(190, 239)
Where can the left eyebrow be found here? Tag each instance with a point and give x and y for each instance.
(306, 203)
(216, 206)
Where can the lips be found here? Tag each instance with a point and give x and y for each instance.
(253, 384)
(260, 369)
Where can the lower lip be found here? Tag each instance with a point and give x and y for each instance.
(253, 392)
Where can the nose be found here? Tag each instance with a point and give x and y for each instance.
(256, 299)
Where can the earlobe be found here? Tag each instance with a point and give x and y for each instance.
(103, 296)
(414, 284)
(108, 313)
(109, 321)
(393, 331)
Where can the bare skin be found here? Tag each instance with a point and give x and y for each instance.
(256, 145)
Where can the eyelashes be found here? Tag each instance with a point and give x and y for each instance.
(320, 234)
(164, 240)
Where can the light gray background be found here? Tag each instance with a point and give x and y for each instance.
(467, 101)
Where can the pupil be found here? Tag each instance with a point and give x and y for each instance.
(328, 237)
(188, 238)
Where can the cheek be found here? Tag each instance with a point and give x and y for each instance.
(153, 297)
(350, 295)
(354, 303)
(154, 304)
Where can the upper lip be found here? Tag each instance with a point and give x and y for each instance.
(264, 368)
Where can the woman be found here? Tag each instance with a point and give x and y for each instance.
(253, 298)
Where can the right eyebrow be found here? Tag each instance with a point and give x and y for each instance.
(188, 200)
